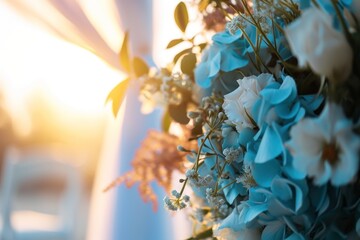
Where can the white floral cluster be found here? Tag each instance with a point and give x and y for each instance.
(176, 203)
(236, 23)
(217, 203)
(263, 13)
(246, 178)
(233, 154)
(161, 88)
(197, 180)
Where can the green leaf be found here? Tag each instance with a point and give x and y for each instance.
(181, 16)
(179, 55)
(179, 113)
(203, 5)
(166, 121)
(116, 96)
(188, 64)
(140, 67)
(174, 42)
(124, 54)
(197, 130)
(202, 235)
(202, 46)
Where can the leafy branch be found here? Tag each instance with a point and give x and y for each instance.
(133, 67)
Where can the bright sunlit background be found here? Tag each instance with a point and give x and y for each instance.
(52, 93)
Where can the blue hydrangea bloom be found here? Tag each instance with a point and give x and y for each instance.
(288, 197)
(229, 52)
(264, 173)
(233, 191)
(226, 53)
(275, 112)
(231, 136)
(286, 227)
(257, 204)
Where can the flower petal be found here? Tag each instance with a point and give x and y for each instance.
(265, 172)
(271, 146)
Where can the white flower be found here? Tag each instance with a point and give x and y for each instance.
(238, 105)
(236, 23)
(318, 45)
(326, 148)
(149, 103)
(230, 234)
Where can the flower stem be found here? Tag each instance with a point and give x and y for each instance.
(342, 21)
(219, 174)
(227, 185)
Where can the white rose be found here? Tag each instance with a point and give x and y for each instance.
(238, 105)
(318, 45)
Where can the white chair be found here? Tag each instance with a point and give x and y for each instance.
(33, 225)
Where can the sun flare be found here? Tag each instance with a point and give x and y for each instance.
(72, 80)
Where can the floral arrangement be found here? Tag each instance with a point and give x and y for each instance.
(269, 109)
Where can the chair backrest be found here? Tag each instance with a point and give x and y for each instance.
(22, 169)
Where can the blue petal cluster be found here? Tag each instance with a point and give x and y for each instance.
(230, 52)
(282, 203)
(267, 188)
(226, 53)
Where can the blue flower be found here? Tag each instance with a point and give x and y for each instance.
(245, 215)
(230, 52)
(230, 135)
(264, 173)
(226, 54)
(286, 227)
(279, 103)
(277, 109)
(288, 197)
(234, 190)
(328, 6)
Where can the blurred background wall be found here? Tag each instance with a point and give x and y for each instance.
(52, 98)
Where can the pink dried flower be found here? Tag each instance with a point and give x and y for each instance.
(155, 160)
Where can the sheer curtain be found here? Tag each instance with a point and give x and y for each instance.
(99, 26)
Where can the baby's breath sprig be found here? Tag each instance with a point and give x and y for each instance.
(177, 203)
(218, 204)
(264, 15)
(246, 178)
(257, 24)
(211, 115)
